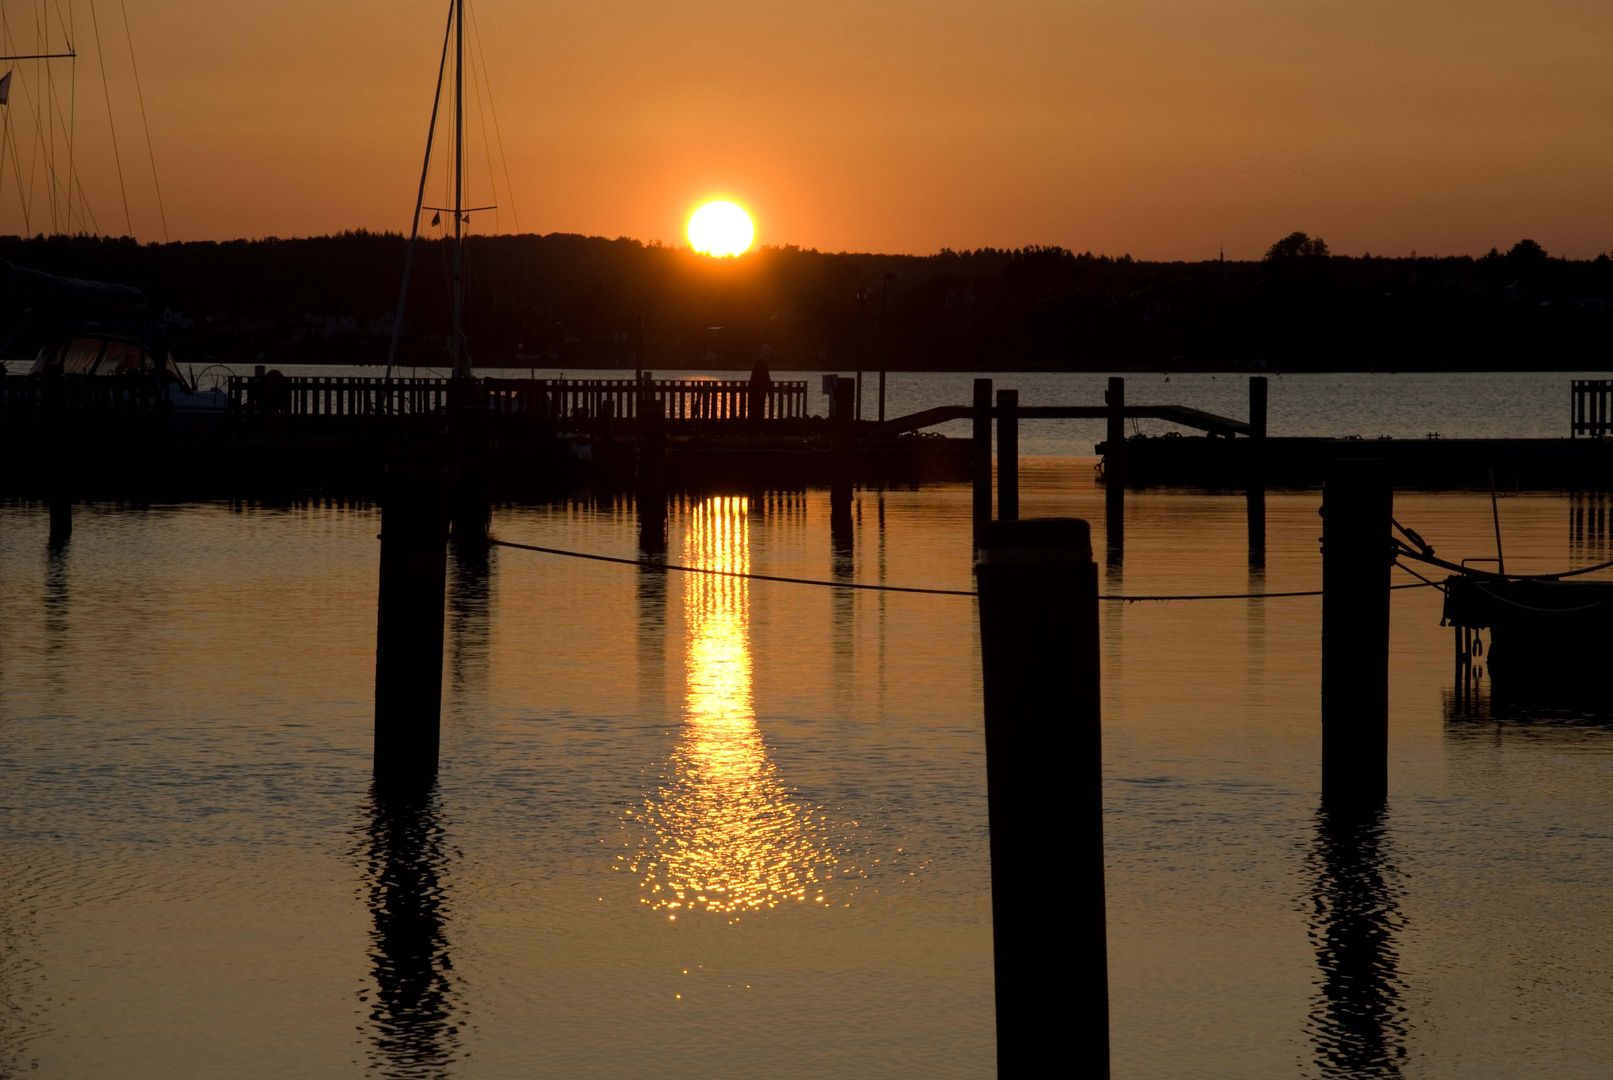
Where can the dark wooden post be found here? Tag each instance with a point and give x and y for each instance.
(409, 630)
(1007, 454)
(470, 433)
(842, 453)
(1256, 471)
(1357, 513)
(982, 454)
(652, 479)
(1044, 774)
(61, 518)
(1114, 466)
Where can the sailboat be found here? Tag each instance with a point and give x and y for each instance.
(459, 213)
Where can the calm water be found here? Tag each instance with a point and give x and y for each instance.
(703, 827)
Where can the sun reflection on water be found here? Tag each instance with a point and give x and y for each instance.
(722, 833)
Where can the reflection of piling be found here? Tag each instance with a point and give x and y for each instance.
(1357, 512)
(1114, 467)
(1039, 662)
(981, 462)
(409, 632)
(1008, 454)
(412, 1026)
(1357, 1021)
(652, 482)
(842, 454)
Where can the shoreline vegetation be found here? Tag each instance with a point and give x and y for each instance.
(575, 302)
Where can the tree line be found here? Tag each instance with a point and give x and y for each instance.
(577, 302)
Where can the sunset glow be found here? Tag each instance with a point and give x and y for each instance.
(720, 229)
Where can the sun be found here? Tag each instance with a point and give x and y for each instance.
(720, 229)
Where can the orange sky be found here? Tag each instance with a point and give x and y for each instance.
(1162, 128)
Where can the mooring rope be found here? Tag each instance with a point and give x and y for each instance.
(663, 567)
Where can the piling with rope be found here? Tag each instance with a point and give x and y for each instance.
(1038, 600)
(1357, 555)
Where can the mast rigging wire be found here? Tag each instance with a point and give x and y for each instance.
(100, 53)
(414, 229)
(152, 154)
(493, 108)
(487, 146)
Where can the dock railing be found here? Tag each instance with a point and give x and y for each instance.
(94, 399)
(554, 400)
(1591, 408)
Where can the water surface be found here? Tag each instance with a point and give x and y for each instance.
(702, 826)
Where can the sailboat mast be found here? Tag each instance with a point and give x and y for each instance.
(460, 354)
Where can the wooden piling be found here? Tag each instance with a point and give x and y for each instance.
(1114, 467)
(1357, 513)
(1007, 454)
(842, 452)
(652, 473)
(61, 518)
(1256, 472)
(982, 454)
(1039, 664)
(409, 629)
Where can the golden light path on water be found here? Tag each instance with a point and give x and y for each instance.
(722, 833)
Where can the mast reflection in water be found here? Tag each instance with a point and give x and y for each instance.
(722, 833)
(1357, 1021)
(412, 1028)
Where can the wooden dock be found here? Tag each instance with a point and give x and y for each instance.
(129, 436)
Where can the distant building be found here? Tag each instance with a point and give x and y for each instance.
(177, 320)
(326, 325)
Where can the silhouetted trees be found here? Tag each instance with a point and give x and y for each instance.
(572, 302)
(1298, 245)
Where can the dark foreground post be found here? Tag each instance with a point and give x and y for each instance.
(408, 637)
(842, 453)
(1357, 512)
(1039, 661)
(1008, 454)
(982, 454)
(1114, 466)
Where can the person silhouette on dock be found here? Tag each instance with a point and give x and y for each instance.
(761, 385)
